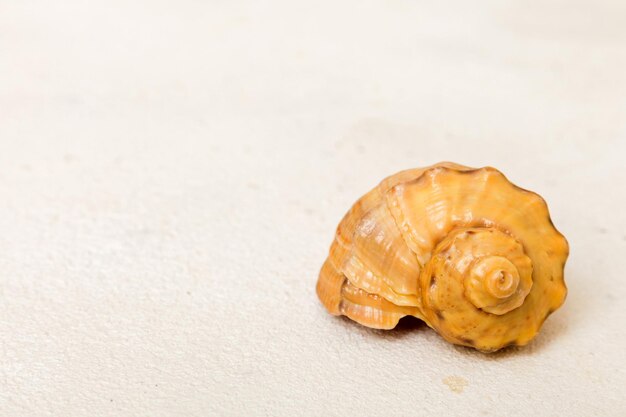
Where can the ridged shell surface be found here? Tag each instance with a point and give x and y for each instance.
(474, 256)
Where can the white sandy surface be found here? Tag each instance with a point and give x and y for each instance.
(171, 175)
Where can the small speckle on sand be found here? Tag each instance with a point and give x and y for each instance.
(455, 383)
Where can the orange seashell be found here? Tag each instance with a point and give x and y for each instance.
(465, 250)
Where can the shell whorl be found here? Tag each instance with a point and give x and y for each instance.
(463, 249)
(492, 267)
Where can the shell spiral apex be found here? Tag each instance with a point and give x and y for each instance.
(465, 250)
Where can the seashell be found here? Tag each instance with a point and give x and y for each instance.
(465, 250)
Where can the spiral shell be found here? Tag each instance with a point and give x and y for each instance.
(466, 251)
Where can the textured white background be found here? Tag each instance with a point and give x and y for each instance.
(171, 174)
